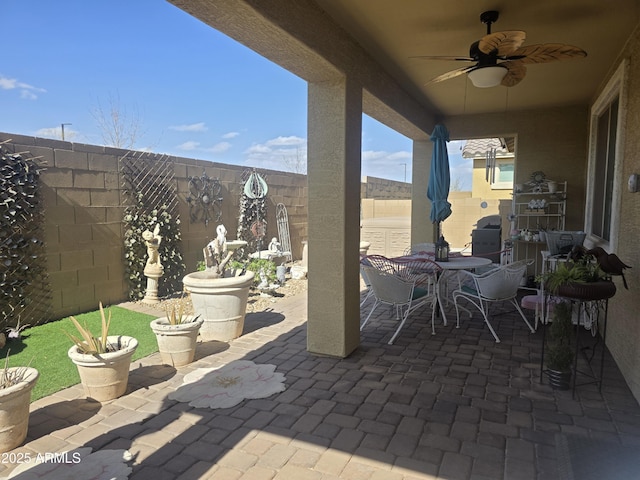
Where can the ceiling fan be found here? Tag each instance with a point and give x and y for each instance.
(499, 58)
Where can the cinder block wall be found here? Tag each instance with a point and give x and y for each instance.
(381, 188)
(84, 204)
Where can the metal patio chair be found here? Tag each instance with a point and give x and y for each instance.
(497, 285)
(403, 285)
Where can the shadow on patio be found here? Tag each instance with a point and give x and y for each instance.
(455, 405)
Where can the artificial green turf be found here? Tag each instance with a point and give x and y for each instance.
(48, 345)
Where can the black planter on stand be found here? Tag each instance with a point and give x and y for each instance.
(559, 380)
(580, 293)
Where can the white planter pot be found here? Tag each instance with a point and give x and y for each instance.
(176, 343)
(220, 302)
(105, 376)
(14, 410)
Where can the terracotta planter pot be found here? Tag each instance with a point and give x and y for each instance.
(176, 343)
(105, 376)
(14, 410)
(588, 291)
(220, 302)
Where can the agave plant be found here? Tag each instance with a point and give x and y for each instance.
(176, 314)
(11, 377)
(88, 343)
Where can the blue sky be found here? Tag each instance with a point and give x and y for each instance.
(192, 91)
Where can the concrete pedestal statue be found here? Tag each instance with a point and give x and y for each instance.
(153, 269)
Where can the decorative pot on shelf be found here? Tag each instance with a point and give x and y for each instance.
(14, 409)
(104, 376)
(221, 303)
(552, 186)
(177, 343)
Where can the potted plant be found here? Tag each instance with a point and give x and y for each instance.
(177, 334)
(103, 362)
(559, 353)
(16, 384)
(218, 297)
(582, 279)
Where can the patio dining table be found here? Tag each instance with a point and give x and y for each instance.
(449, 268)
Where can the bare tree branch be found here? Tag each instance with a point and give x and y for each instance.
(117, 126)
(297, 163)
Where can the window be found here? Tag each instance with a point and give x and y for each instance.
(604, 176)
(503, 175)
(605, 160)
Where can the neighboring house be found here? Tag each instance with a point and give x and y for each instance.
(387, 221)
(491, 179)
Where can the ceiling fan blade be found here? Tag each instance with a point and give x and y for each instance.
(444, 57)
(547, 52)
(515, 72)
(451, 74)
(504, 43)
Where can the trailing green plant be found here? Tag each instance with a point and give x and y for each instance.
(24, 289)
(256, 265)
(582, 271)
(138, 218)
(559, 354)
(151, 199)
(11, 377)
(176, 313)
(88, 343)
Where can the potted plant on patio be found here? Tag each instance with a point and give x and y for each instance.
(581, 279)
(16, 384)
(559, 353)
(177, 334)
(218, 297)
(103, 361)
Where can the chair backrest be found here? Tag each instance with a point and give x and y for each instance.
(420, 270)
(501, 283)
(388, 287)
(363, 273)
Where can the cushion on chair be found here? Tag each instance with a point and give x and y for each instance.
(531, 302)
(470, 290)
(418, 293)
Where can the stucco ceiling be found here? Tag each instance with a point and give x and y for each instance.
(393, 31)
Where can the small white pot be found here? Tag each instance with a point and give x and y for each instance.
(177, 343)
(105, 376)
(14, 410)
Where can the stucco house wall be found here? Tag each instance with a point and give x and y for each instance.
(623, 332)
(481, 188)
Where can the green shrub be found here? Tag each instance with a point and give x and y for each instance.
(256, 265)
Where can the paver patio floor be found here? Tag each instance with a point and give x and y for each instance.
(451, 406)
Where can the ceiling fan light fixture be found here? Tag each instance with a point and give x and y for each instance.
(486, 77)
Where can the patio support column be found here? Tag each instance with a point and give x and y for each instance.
(333, 175)
(422, 230)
